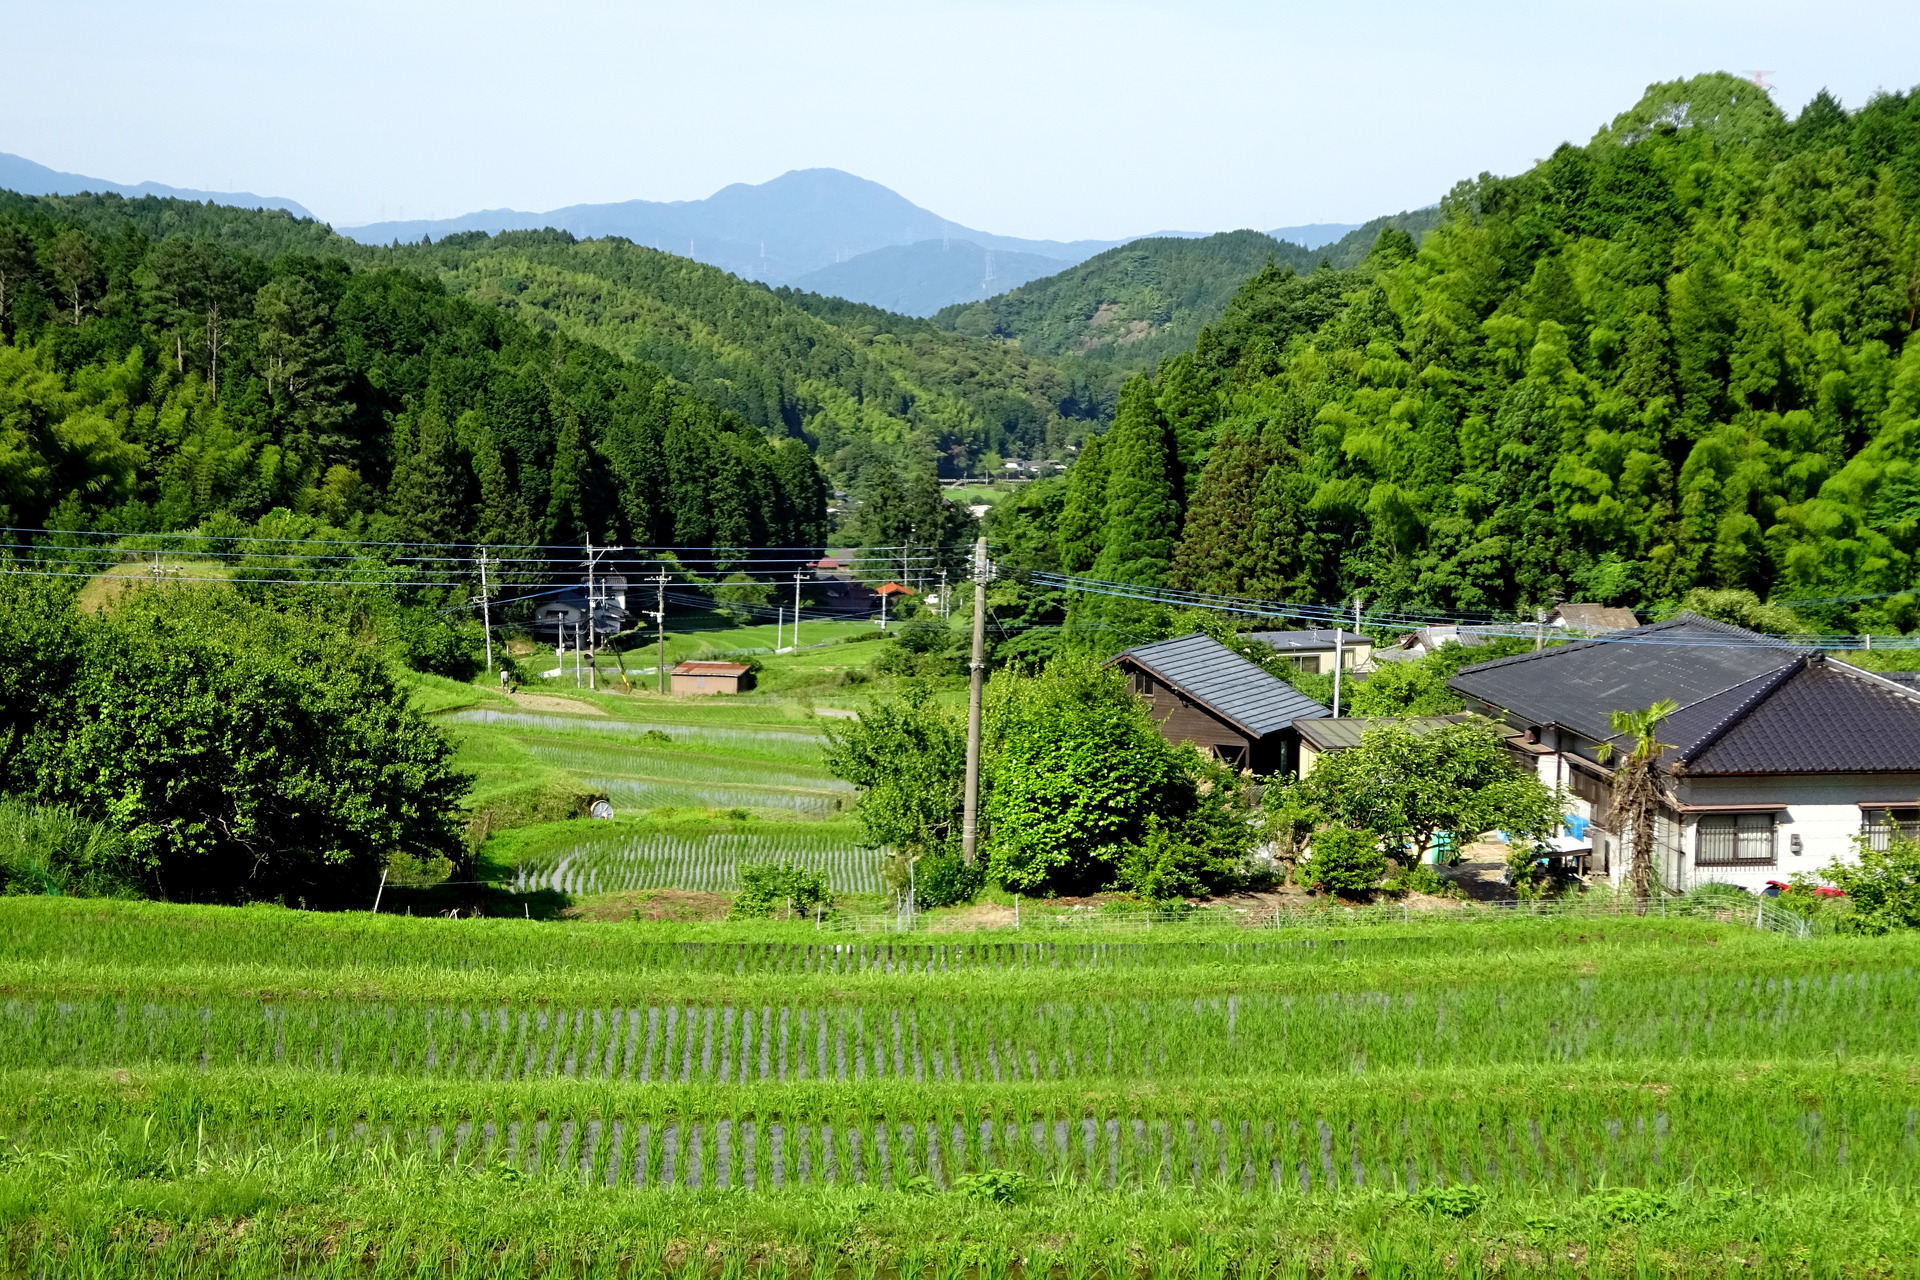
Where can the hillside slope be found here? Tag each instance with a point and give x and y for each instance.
(847, 380)
(17, 173)
(844, 384)
(1130, 307)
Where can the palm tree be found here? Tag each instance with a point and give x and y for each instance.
(1639, 791)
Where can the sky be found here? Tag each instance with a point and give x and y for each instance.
(1060, 119)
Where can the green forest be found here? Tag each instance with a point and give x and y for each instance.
(1678, 357)
(1127, 309)
(167, 364)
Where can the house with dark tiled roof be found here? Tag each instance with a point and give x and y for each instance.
(1202, 692)
(1777, 757)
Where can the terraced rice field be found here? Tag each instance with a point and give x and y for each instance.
(281, 1093)
(701, 863)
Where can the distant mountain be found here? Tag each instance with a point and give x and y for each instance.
(29, 179)
(1127, 308)
(777, 232)
(919, 279)
(1314, 234)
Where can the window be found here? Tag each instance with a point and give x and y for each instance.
(1734, 839)
(1589, 788)
(1879, 825)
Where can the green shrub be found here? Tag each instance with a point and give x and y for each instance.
(767, 888)
(52, 849)
(430, 641)
(1882, 888)
(1346, 861)
(941, 879)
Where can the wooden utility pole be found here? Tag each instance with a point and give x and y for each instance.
(977, 670)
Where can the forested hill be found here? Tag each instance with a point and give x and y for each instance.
(87, 280)
(166, 365)
(846, 378)
(1681, 355)
(1130, 307)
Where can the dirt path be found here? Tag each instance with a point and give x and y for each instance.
(549, 702)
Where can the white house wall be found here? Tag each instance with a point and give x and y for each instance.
(1824, 810)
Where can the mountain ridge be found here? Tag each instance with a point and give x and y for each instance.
(30, 178)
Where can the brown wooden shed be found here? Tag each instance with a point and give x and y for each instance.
(712, 677)
(1202, 692)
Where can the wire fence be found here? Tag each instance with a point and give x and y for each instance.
(1757, 913)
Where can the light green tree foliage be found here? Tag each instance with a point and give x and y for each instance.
(779, 888)
(243, 754)
(1743, 608)
(1087, 794)
(1882, 886)
(1406, 786)
(908, 755)
(1419, 688)
(1346, 861)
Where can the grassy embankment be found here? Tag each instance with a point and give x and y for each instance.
(261, 1091)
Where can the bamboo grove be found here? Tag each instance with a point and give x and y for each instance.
(1677, 357)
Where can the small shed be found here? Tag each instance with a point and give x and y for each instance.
(1202, 692)
(1317, 649)
(712, 677)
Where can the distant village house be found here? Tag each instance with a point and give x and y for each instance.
(1778, 756)
(1202, 692)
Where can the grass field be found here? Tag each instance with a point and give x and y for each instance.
(211, 1091)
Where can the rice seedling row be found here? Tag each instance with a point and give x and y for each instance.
(1856, 1014)
(1539, 1133)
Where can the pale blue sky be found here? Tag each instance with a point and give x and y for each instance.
(1048, 118)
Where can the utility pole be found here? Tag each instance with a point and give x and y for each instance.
(798, 578)
(946, 606)
(779, 618)
(486, 611)
(977, 670)
(660, 620)
(1539, 630)
(1337, 656)
(593, 628)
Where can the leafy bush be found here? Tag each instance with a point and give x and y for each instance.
(770, 887)
(245, 755)
(1882, 888)
(430, 641)
(738, 596)
(1346, 861)
(52, 849)
(1454, 1201)
(1085, 792)
(1632, 1206)
(941, 879)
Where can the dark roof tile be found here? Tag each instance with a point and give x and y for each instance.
(1578, 685)
(1210, 673)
